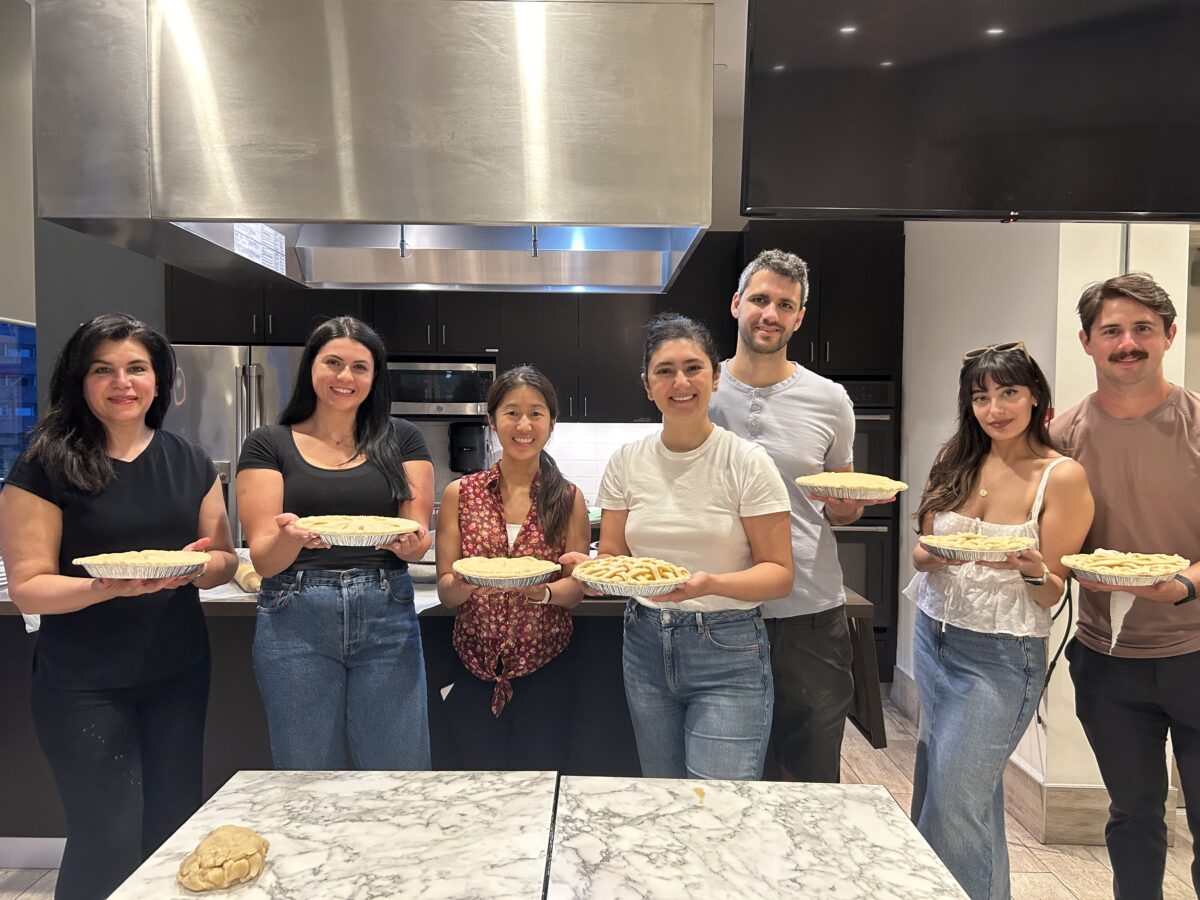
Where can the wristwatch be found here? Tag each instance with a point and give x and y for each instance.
(545, 600)
(1039, 580)
(1191, 589)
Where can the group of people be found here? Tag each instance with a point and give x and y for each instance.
(743, 671)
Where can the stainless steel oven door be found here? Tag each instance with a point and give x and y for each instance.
(440, 388)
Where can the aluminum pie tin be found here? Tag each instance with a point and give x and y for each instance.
(138, 571)
(843, 493)
(361, 539)
(1082, 574)
(973, 555)
(513, 583)
(620, 589)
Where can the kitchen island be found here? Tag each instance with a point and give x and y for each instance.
(336, 835)
(530, 835)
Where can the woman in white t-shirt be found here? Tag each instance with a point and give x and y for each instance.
(696, 660)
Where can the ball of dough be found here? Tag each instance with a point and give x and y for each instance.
(229, 855)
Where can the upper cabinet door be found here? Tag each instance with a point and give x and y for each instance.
(468, 322)
(200, 311)
(612, 334)
(542, 330)
(862, 299)
(293, 314)
(704, 287)
(407, 320)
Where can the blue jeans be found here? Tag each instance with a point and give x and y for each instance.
(699, 691)
(338, 660)
(978, 694)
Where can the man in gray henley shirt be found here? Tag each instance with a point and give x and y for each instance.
(806, 424)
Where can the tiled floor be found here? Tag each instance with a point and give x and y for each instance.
(1039, 871)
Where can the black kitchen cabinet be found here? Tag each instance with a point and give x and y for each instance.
(612, 334)
(200, 311)
(853, 324)
(293, 314)
(407, 320)
(438, 321)
(542, 330)
(704, 287)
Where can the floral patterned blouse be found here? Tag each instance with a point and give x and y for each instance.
(497, 635)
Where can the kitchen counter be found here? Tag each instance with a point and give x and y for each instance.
(666, 838)
(498, 834)
(374, 834)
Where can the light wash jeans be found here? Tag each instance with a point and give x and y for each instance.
(978, 694)
(699, 691)
(337, 655)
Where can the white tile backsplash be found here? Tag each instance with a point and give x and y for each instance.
(581, 450)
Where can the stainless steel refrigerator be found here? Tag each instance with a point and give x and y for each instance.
(221, 394)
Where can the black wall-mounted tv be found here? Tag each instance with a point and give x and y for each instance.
(1044, 109)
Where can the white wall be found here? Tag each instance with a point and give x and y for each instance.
(966, 285)
(16, 162)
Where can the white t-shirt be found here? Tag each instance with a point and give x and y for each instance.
(806, 425)
(687, 507)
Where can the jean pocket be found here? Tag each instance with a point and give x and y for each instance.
(400, 588)
(745, 636)
(275, 594)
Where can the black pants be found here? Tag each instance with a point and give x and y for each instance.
(1127, 706)
(128, 764)
(530, 734)
(811, 661)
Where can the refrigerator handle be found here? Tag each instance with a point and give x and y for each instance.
(255, 395)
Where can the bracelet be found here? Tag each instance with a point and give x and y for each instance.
(1038, 580)
(545, 600)
(1191, 589)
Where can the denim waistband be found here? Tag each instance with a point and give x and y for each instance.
(302, 577)
(676, 618)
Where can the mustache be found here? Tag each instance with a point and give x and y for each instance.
(1136, 354)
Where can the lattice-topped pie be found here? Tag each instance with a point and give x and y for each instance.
(631, 576)
(143, 563)
(851, 485)
(1128, 569)
(968, 545)
(357, 531)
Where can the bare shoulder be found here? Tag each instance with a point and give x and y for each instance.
(451, 492)
(1067, 478)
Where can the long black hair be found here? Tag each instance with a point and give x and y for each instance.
(555, 496)
(374, 431)
(69, 442)
(956, 468)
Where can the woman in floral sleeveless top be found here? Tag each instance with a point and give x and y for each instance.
(521, 506)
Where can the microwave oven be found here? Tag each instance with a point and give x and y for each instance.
(440, 388)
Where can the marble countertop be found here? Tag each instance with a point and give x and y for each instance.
(374, 835)
(638, 838)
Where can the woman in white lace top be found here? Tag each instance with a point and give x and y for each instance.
(980, 642)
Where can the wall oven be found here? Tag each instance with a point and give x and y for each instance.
(440, 388)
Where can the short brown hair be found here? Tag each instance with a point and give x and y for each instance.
(1137, 286)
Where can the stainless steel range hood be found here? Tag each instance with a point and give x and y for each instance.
(450, 144)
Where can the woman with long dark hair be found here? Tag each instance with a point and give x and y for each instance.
(121, 667)
(981, 630)
(521, 506)
(337, 649)
(696, 660)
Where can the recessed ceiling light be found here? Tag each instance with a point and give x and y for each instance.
(886, 63)
(779, 68)
(995, 30)
(848, 29)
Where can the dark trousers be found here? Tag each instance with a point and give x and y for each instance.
(1127, 707)
(128, 764)
(811, 661)
(530, 734)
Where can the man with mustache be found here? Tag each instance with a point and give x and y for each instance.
(806, 424)
(1138, 437)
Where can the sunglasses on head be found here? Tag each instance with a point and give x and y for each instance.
(1006, 347)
